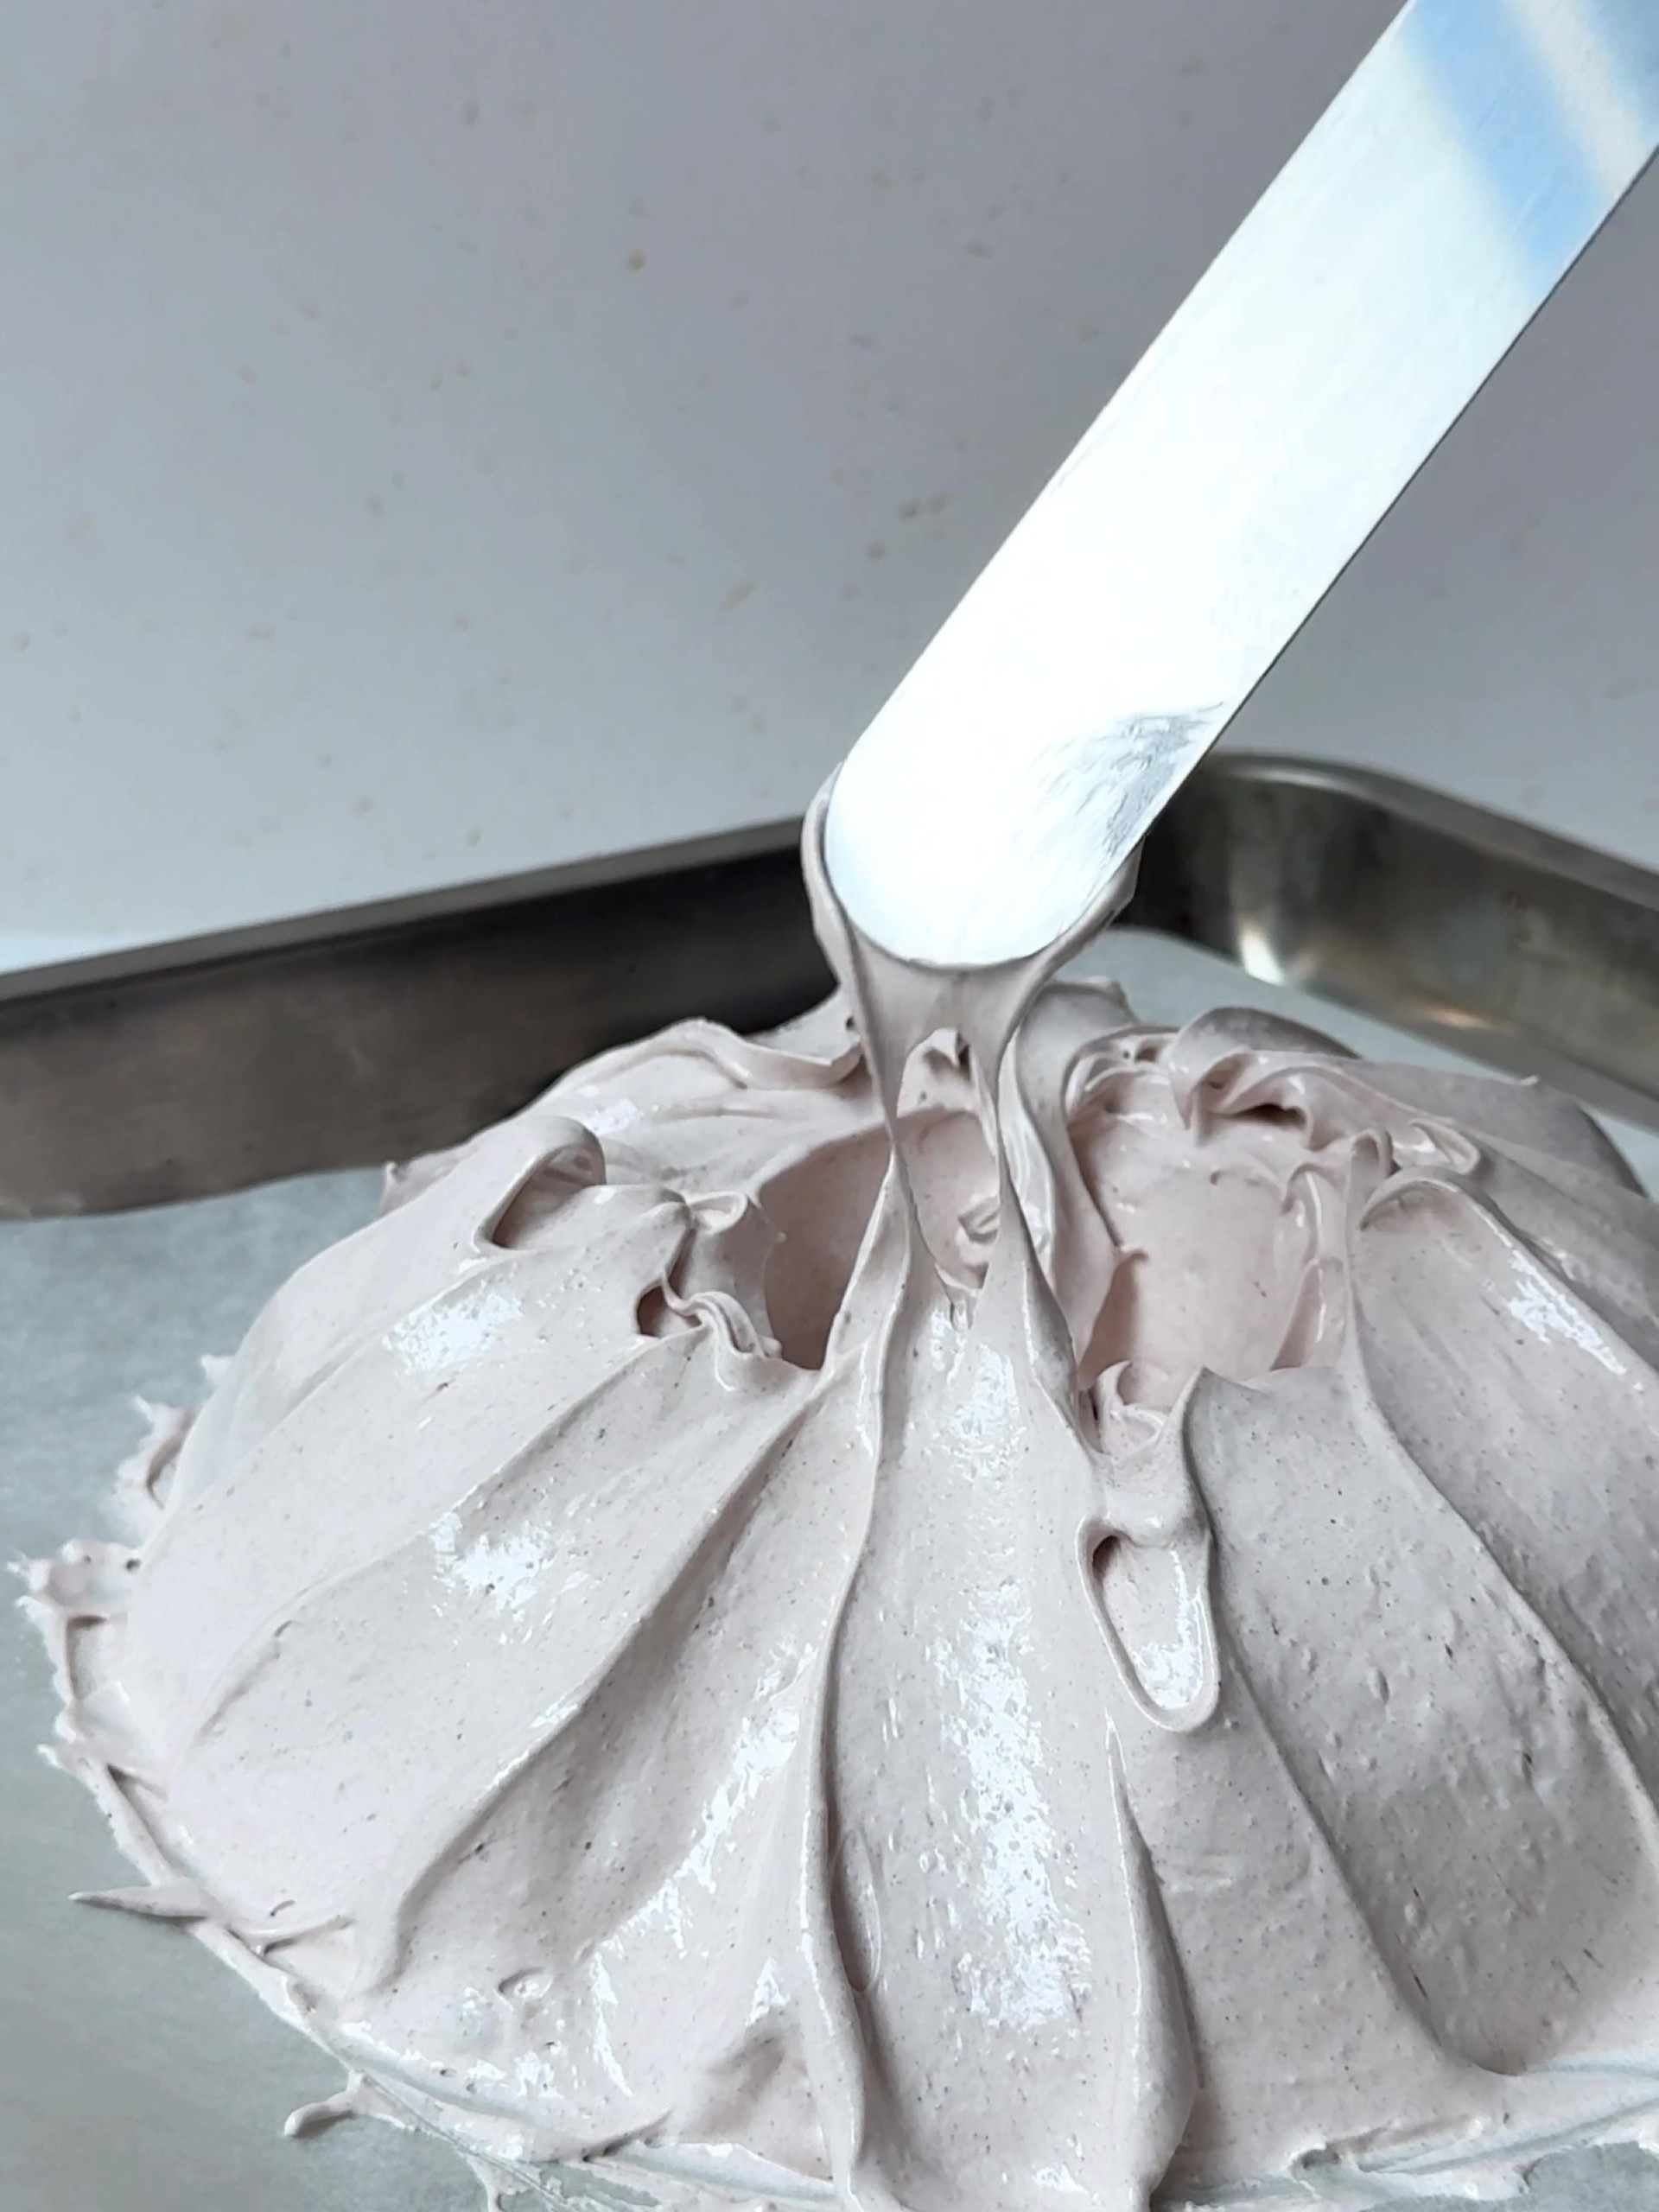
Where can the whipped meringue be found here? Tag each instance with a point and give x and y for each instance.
(1106, 1645)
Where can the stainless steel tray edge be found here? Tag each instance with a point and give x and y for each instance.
(340, 1039)
(343, 1039)
(1516, 947)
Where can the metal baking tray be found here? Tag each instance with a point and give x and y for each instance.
(137, 2074)
(340, 1039)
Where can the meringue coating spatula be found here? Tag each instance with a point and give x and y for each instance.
(1387, 269)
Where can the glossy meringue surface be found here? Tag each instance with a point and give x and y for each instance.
(1105, 1644)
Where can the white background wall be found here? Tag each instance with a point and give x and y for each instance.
(446, 438)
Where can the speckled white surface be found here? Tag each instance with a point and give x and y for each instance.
(442, 441)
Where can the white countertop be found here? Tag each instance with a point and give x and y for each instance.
(441, 442)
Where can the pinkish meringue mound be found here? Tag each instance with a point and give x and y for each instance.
(1115, 1652)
